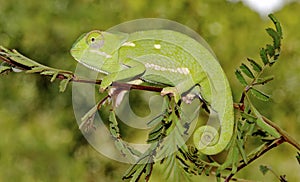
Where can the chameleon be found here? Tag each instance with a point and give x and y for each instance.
(186, 69)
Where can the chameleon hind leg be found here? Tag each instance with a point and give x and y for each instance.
(179, 90)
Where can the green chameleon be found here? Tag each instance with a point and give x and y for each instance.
(186, 68)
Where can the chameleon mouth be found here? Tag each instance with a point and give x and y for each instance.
(91, 67)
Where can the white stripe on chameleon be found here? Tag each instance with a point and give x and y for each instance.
(157, 46)
(91, 67)
(184, 71)
(129, 44)
(101, 53)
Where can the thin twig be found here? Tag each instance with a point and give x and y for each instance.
(287, 138)
(283, 133)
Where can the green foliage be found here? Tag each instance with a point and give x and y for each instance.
(268, 58)
(37, 124)
(259, 94)
(16, 61)
(263, 169)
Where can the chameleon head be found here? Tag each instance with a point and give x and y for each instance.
(87, 49)
(93, 49)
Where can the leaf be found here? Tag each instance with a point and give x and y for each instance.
(148, 171)
(277, 24)
(35, 70)
(63, 84)
(260, 95)
(240, 77)
(260, 133)
(47, 72)
(54, 76)
(229, 159)
(276, 37)
(208, 170)
(256, 67)
(4, 68)
(248, 117)
(262, 81)
(239, 143)
(155, 134)
(235, 160)
(155, 120)
(263, 125)
(270, 50)
(298, 157)
(263, 169)
(246, 70)
(134, 172)
(264, 57)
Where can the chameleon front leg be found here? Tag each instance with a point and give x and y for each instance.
(134, 70)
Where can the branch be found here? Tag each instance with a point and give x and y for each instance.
(268, 147)
(283, 133)
(15, 60)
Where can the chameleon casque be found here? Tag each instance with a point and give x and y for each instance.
(187, 68)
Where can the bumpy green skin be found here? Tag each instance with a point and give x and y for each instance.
(165, 57)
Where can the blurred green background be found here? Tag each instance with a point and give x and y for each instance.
(39, 137)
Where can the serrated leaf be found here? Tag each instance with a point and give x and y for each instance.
(245, 69)
(263, 56)
(263, 169)
(275, 36)
(256, 67)
(240, 77)
(259, 94)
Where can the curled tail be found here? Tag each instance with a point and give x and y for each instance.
(213, 138)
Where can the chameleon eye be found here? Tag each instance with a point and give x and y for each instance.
(95, 39)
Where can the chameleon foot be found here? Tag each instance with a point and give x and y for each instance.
(171, 91)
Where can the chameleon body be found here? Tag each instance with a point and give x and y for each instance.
(169, 58)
